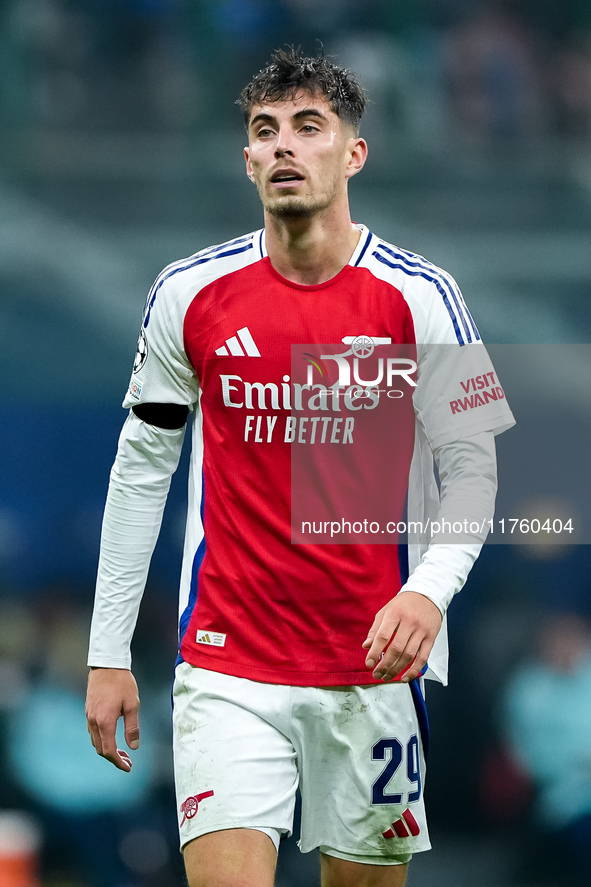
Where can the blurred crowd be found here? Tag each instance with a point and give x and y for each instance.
(546, 720)
(528, 642)
(492, 70)
(94, 828)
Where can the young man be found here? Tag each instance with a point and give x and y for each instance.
(298, 663)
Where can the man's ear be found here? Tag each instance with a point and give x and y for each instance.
(249, 171)
(357, 157)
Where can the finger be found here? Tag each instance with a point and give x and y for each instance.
(95, 738)
(119, 758)
(132, 729)
(108, 746)
(399, 655)
(419, 663)
(107, 749)
(382, 638)
(372, 631)
(125, 758)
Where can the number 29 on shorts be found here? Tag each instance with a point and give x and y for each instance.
(392, 751)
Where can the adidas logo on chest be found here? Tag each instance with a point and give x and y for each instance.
(240, 345)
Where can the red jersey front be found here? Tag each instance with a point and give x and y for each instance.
(218, 335)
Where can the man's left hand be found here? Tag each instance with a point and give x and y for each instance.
(411, 622)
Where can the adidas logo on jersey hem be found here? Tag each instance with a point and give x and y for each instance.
(240, 345)
(210, 638)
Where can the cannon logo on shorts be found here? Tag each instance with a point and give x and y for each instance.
(190, 807)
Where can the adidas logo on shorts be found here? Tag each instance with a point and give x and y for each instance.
(402, 827)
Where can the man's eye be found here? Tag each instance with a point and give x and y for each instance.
(264, 133)
(309, 128)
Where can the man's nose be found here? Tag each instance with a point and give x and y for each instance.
(284, 142)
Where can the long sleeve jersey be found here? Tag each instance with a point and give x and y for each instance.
(336, 428)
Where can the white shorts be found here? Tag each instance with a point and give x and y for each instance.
(242, 747)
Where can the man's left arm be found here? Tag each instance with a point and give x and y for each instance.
(408, 624)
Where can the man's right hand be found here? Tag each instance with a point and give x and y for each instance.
(112, 693)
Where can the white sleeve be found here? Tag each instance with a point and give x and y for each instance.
(147, 457)
(162, 371)
(468, 477)
(459, 393)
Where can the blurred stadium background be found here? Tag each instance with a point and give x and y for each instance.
(120, 152)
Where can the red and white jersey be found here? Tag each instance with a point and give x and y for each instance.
(217, 336)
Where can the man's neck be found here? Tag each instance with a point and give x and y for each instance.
(309, 251)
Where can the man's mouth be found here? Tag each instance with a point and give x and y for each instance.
(286, 177)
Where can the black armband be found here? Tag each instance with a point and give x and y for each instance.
(162, 415)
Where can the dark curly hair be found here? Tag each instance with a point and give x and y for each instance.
(289, 71)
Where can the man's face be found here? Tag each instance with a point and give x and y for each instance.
(299, 155)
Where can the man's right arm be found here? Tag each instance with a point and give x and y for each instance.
(147, 457)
